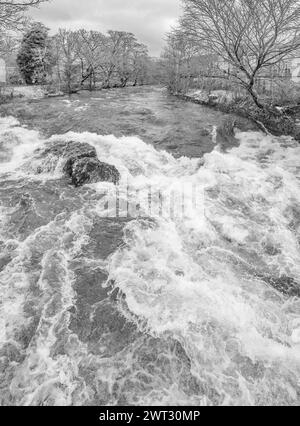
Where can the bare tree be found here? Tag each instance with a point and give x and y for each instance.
(66, 52)
(8, 47)
(90, 56)
(12, 12)
(111, 50)
(90, 48)
(140, 63)
(124, 59)
(178, 60)
(249, 35)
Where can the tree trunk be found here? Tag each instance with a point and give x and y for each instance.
(106, 84)
(91, 82)
(69, 87)
(91, 76)
(124, 82)
(253, 94)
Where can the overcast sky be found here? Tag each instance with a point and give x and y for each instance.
(148, 19)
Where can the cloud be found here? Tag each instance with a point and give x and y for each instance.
(149, 20)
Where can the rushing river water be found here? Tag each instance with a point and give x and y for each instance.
(202, 309)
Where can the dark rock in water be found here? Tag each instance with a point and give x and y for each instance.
(70, 150)
(81, 162)
(49, 156)
(90, 170)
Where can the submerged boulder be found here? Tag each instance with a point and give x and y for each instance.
(90, 170)
(79, 162)
(50, 156)
(69, 150)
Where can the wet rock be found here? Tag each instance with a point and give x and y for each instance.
(90, 170)
(70, 150)
(79, 162)
(47, 159)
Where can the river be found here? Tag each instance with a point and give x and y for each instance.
(202, 308)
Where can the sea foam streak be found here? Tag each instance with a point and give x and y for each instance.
(206, 322)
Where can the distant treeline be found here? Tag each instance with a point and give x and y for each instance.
(71, 60)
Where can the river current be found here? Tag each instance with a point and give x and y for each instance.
(201, 309)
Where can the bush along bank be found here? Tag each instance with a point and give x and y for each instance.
(278, 121)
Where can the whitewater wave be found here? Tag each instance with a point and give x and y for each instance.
(211, 282)
(202, 310)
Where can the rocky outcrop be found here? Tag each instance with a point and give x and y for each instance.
(90, 170)
(79, 161)
(69, 150)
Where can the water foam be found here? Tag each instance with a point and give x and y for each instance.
(206, 280)
(200, 289)
(17, 143)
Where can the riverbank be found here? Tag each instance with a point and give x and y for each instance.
(276, 120)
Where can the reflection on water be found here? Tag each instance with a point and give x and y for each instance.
(198, 310)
